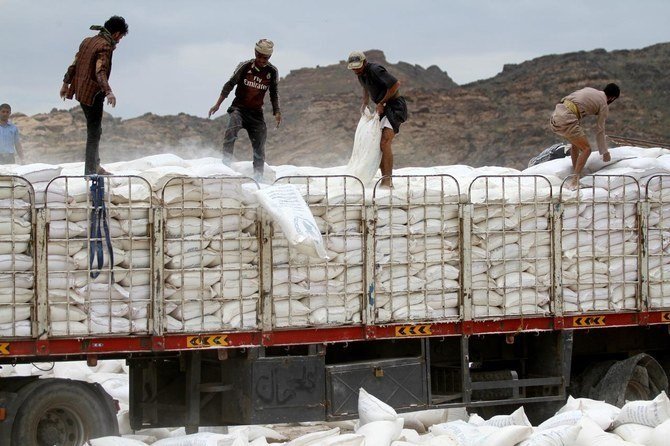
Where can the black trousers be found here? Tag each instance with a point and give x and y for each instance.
(93, 115)
(254, 123)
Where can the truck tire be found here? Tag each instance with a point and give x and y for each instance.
(639, 377)
(63, 412)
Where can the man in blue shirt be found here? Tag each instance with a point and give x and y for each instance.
(10, 145)
(384, 90)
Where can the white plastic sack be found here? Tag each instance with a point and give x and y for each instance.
(313, 438)
(366, 154)
(638, 433)
(381, 433)
(592, 435)
(649, 413)
(114, 441)
(505, 436)
(288, 208)
(600, 412)
(659, 436)
(423, 419)
(344, 440)
(373, 409)
(203, 439)
(516, 418)
(556, 436)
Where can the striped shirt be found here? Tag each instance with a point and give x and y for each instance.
(89, 73)
(9, 138)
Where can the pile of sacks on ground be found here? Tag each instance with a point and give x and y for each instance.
(580, 422)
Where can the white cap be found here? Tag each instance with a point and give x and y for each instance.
(265, 46)
(355, 60)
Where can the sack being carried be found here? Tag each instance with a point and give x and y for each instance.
(366, 155)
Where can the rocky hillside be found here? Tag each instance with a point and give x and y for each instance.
(501, 121)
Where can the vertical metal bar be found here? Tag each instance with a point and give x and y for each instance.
(370, 215)
(466, 267)
(566, 339)
(156, 318)
(266, 234)
(466, 381)
(137, 373)
(41, 327)
(643, 257)
(192, 391)
(425, 348)
(557, 253)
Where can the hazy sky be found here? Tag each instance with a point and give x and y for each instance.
(178, 54)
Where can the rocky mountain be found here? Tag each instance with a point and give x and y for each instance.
(502, 120)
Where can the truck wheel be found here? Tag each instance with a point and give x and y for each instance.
(63, 412)
(637, 378)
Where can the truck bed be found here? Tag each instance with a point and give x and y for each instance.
(197, 263)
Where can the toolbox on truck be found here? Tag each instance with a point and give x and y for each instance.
(274, 389)
(399, 382)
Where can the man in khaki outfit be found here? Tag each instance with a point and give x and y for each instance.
(566, 122)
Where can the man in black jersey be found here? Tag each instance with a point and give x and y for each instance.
(253, 79)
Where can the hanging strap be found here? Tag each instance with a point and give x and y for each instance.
(98, 226)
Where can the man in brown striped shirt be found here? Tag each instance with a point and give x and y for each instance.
(251, 80)
(566, 122)
(87, 80)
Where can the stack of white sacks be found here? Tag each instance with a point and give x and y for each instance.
(599, 239)
(16, 262)
(210, 245)
(417, 246)
(211, 254)
(580, 422)
(85, 298)
(658, 234)
(309, 290)
(511, 246)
